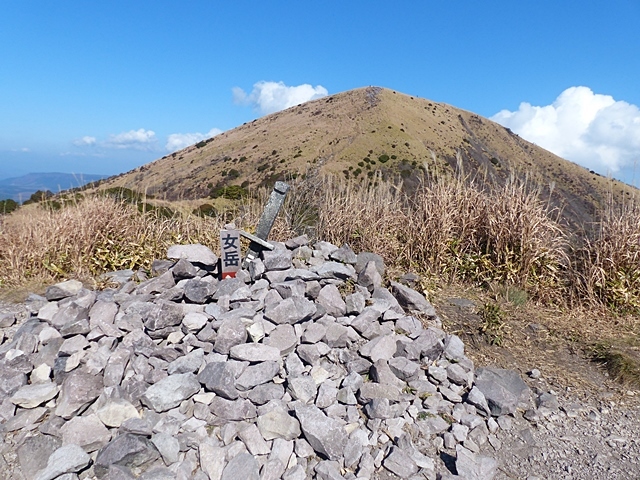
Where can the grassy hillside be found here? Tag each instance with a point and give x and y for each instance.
(367, 132)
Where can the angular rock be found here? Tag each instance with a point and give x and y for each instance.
(193, 253)
(503, 389)
(412, 300)
(243, 466)
(66, 459)
(34, 453)
(400, 463)
(474, 467)
(326, 435)
(278, 424)
(78, 390)
(331, 299)
(258, 374)
(169, 392)
(219, 378)
(232, 332)
(283, 337)
(291, 310)
(125, 450)
(255, 352)
(87, 432)
(63, 290)
(30, 396)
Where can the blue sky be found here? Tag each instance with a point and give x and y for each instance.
(102, 87)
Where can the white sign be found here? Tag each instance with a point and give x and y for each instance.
(231, 255)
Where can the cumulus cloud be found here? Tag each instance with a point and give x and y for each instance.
(85, 141)
(269, 97)
(178, 141)
(136, 139)
(590, 129)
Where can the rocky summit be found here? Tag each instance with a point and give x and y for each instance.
(303, 366)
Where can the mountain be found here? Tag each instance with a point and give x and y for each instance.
(368, 130)
(21, 188)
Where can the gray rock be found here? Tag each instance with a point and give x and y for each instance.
(331, 299)
(255, 352)
(242, 466)
(291, 310)
(183, 269)
(169, 392)
(277, 259)
(264, 393)
(69, 313)
(378, 408)
(87, 432)
(156, 285)
(476, 398)
(326, 435)
(283, 337)
(355, 303)
(302, 388)
(400, 463)
(63, 290)
(125, 450)
(290, 288)
(254, 441)
(474, 467)
(327, 470)
(78, 390)
(199, 291)
(30, 396)
(158, 317)
(235, 410)
(380, 348)
(335, 270)
(115, 368)
(277, 423)
(34, 453)
(168, 446)
(193, 253)
(503, 389)
(344, 254)
(113, 412)
(363, 258)
(188, 363)
(412, 300)
(212, 460)
(369, 277)
(66, 459)
(258, 374)
(232, 332)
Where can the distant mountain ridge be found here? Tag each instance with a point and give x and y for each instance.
(21, 188)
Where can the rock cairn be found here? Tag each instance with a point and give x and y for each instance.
(303, 366)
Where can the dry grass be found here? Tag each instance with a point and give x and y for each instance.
(453, 229)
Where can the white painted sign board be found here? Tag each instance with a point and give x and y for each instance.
(230, 257)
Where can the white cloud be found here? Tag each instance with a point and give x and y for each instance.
(590, 129)
(21, 150)
(269, 97)
(85, 141)
(136, 139)
(178, 141)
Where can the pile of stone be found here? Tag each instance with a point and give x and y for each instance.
(303, 366)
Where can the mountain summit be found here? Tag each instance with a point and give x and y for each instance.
(364, 131)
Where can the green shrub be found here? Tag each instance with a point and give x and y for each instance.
(231, 192)
(384, 158)
(8, 206)
(205, 210)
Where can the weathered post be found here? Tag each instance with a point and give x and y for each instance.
(271, 210)
(230, 253)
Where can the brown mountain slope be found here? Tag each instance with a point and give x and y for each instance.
(360, 132)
